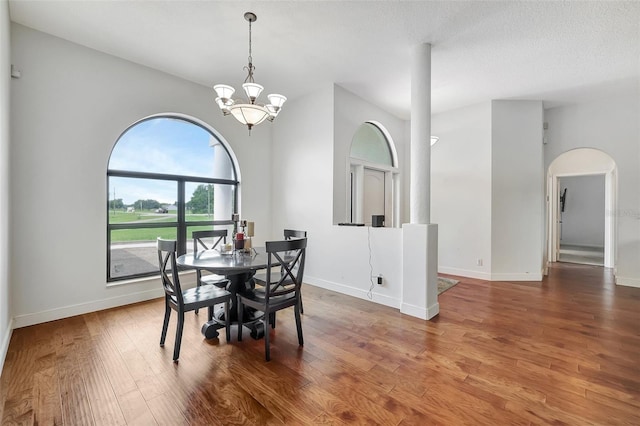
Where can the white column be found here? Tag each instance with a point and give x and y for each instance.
(420, 270)
(420, 238)
(420, 184)
(222, 197)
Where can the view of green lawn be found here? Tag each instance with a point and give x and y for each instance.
(150, 234)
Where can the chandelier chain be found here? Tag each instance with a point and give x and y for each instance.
(250, 59)
(250, 68)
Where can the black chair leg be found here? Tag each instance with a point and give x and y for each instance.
(301, 307)
(239, 319)
(272, 319)
(227, 320)
(210, 313)
(165, 324)
(299, 325)
(176, 349)
(267, 352)
(198, 275)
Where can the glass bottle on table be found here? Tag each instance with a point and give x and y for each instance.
(239, 241)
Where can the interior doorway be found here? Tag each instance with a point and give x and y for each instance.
(591, 165)
(374, 194)
(582, 219)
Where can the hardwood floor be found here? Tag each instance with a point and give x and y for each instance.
(566, 351)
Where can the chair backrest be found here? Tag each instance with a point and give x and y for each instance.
(292, 233)
(198, 236)
(167, 260)
(290, 256)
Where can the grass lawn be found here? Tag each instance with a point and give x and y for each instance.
(145, 234)
(150, 234)
(151, 216)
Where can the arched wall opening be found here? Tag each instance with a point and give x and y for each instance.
(373, 187)
(581, 162)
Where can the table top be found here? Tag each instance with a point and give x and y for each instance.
(225, 264)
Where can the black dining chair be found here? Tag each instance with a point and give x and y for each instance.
(281, 292)
(199, 243)
(261, 277)
(181, 301)
(289, 234)
(292, 233)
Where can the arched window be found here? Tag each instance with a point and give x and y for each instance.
(374, 184)
(370, 144)
(167, 177)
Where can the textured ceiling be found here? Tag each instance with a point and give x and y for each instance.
(558, 52)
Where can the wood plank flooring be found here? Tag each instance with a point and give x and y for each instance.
(566, 351)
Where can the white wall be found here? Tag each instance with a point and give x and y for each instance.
(68, 109)
(303, 158)
(5, 77)
(611, 125)
(583, 216)
(487, 190)
(517, 190)
(461, 190)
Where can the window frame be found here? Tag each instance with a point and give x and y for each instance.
(181, 225)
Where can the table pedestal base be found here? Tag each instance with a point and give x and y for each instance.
(238, 283)
(257, 330)
(210, 329)
(251, 321)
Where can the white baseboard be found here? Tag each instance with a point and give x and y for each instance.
(464, 273)
(595, 246)
(84, 308)
(414, 311)
(352, 291)
(5, 344)
(490, 276)
(517, 277)
(629, 282)
(419, 311)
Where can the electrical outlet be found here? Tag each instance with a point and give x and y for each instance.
(380, 279)
(479, 262)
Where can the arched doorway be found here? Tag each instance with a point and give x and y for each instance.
(581, 162)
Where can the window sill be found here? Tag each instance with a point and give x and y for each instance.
(143, 279)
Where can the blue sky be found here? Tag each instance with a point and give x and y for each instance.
(160, 145)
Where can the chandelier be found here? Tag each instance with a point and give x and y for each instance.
(249, 113)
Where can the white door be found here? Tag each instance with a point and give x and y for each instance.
(373, 194)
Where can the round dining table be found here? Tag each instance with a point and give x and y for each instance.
(239, 268)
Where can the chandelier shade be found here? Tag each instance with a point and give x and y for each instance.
(224, 92)
(248, 113)
(277, 100)
(252, 90)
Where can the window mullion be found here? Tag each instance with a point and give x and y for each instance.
(182, 226)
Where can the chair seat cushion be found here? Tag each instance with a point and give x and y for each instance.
(203, 294)
(258, 294)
